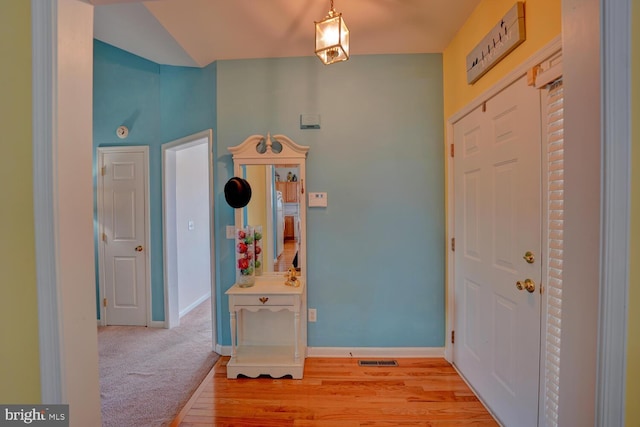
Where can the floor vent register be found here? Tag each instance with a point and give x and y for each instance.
(377, 363)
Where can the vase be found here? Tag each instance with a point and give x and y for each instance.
(257, 241)
(245, 257)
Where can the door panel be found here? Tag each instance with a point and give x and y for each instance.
(124, 207)
(504, 212)
(497, 192)
(124, 252)
(124, 290)
(471, 219)
(471, 337)
(504, 327)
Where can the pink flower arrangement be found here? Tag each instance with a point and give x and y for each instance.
(245, 267)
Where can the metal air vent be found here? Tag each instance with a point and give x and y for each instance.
(377, 363)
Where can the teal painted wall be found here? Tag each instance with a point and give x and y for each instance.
(376, 253)
(158, 104)
(187, 100)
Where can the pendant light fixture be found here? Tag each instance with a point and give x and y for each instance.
(332, 38)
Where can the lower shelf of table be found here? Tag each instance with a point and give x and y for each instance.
(276, 361)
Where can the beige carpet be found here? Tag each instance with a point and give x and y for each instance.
(148, 374)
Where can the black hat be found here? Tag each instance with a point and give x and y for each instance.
(237, 192)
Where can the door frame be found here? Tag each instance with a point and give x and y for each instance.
(551, 50)
(147, 218)
(171, 310)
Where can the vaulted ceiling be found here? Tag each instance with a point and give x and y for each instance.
(198, 32)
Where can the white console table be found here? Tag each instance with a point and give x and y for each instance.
(263, 343)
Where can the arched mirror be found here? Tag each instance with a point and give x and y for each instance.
(274, 167)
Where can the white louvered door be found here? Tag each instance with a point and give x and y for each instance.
(554, 125)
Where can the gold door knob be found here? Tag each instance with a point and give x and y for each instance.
(139, 248)
(529, 257)
(528, 284)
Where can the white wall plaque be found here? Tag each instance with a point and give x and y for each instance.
(502, 39)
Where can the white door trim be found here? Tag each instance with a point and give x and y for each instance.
(147, 242)
(542, 55)
(45, 198)
(61, 95)
(170, 295)
(616, 201)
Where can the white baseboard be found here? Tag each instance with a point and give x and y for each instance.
(153, 324)
(375, 352)
(157, 324)
(223, 350)
(395, 352)
(194, 304)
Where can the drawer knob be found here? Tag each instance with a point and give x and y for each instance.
(263, 299)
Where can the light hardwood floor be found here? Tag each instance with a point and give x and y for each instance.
(285, 260)
(338, 392)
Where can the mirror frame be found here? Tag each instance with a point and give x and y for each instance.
(246, 153)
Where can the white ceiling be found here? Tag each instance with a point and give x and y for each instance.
(198, 32)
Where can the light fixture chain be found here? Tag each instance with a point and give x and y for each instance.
(332, 5)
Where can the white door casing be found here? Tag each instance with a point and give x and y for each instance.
(123, 212)
(497, 187)
(169, 219)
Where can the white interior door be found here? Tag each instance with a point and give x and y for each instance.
(497, 186)
(124, 241)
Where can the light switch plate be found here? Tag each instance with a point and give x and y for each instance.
(318, 200)
(231, 232)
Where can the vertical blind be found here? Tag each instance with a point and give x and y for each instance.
(555, 219)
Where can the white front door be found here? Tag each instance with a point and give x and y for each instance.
(497, 186)
(122, 192)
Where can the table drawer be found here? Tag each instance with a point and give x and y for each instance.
(264, 300)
